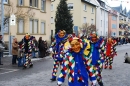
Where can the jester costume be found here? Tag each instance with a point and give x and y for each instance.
(110, 53)
(58, 53)
(27, 46)
(97, 55)
(78, 67)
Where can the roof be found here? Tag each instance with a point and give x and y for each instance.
(88, 2)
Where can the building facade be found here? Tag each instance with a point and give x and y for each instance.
(102, 19)
(83, 11)
(32, 16)
(124, 28)
(113, 23)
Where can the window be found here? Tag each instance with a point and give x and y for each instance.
(42, 28)
(20, 26)
(6, 26)
(114, 18)
(52, 20)
(43, 5)
(5, 1)
(113, 26)
(101, 23)
(113, 34)
(35, 26)
(70, 6)
(51, 7)
(20, 2)
(84, 20)
(35, 3)
(101, 11)
(85, 7)
(31, 26)
(30, 2)
(120, 33)
(92, 21)
(92, 10)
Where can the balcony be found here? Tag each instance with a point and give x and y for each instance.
(121, 21)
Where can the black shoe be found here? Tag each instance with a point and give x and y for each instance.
(1, 64)
(53, 79)
(24, 67)
(101, 84)
(31, 65)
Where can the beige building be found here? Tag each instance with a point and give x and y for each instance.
(82, 11)
(32, 16)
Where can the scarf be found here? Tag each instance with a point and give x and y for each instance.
(58, 41)
(78, 57)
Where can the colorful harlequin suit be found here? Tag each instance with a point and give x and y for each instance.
(26, 48)
(79, 69)
(110, 53)
(58, 53)
(97, 55)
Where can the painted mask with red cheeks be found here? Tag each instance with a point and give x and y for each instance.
(75, 46)
(27, 37)
(94, 38)
(109, 40)
(61, 34)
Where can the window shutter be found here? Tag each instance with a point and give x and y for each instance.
(20, 26)
(31, 23)
(42, 28)
(36, 26)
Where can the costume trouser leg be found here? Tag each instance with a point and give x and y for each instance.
(28, 60)
(55, 68)
(98, 70)
(106, 61)
(110, 61)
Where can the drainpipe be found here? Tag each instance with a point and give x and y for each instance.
(2, 18)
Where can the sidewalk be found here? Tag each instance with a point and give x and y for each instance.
(7, 60)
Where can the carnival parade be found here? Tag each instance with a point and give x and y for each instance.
(65, 43)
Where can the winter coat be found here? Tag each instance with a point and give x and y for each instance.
(14, 48)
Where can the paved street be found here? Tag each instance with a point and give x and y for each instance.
(40, 74)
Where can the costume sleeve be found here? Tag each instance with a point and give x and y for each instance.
(53, 44)
(87, 47)
(64, 70)
(90, 70)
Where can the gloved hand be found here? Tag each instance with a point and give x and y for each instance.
(50, 49)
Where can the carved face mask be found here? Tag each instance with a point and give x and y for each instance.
(94, 38)
(109, 40)
(61, 34)
(75, 46)
(27, 37)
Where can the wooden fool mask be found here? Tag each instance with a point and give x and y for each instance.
(61, 33)
(76, 45)
(94, 38)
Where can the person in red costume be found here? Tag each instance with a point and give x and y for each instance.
(110, 52)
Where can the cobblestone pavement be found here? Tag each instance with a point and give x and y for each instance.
(40, 74)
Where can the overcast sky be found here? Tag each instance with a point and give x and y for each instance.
(114, 3)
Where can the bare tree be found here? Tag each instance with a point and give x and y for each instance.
(18, 11)
(87, 29)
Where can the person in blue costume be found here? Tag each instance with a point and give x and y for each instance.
(97, 50)
(58, 52)
(77, 65)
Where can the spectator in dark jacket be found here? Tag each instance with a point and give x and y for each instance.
(40, 47)
(1, 48)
